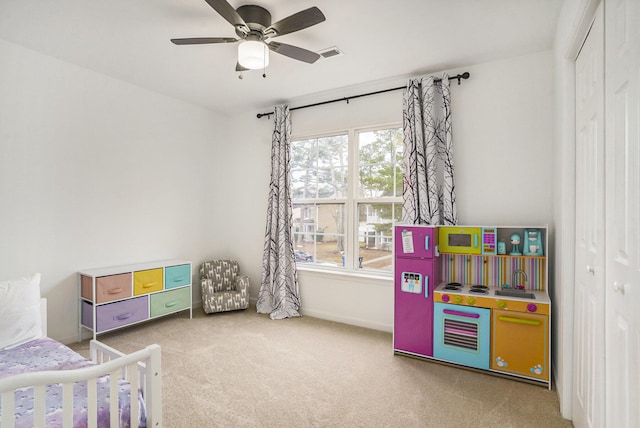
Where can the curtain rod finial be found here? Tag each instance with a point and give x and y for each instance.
(464, 75)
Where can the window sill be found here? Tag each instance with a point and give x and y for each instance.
(384, 278)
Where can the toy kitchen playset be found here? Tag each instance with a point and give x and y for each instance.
(475, 297)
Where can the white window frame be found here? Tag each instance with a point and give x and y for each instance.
(351, 202)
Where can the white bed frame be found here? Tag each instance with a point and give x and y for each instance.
(142, 369)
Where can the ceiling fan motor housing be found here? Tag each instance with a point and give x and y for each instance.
(256, 17)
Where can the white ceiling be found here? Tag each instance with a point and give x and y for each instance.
(129, 40)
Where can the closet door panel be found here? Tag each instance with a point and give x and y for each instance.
(589, 316)
(623, 213)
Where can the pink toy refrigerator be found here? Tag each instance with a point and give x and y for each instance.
(416, 275)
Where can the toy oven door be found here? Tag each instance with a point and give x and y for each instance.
(462, 334)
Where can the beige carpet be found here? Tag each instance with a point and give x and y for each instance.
(241, 369)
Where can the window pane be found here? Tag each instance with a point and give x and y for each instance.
(318, 231)
(319, 167)
(380, 163)
(303, 176)
(321, 171)
(375, 235)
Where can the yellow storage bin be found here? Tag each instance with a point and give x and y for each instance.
(148, 281)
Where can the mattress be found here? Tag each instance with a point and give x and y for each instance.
(47, 354)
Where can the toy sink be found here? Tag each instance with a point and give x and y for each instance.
(516, 293)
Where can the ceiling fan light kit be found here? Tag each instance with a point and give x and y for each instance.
(253, 55)
(254, 28)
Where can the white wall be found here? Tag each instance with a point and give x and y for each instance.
(96, 172)
(502, 127)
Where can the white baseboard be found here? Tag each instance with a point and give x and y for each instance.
(348, 320)
(341, 319)
(305, 312)
(74, 339)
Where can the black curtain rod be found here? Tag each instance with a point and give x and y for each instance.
(457, 77)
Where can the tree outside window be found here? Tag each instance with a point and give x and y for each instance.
(333, 193)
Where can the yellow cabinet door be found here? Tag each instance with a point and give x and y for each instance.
(520, 344)
(148, 281)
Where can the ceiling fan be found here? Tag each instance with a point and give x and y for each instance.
(254, 30)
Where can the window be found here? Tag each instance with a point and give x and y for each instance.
(346, 191)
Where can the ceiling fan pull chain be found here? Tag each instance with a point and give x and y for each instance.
(264, 61)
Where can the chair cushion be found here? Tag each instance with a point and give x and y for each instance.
(225, 301)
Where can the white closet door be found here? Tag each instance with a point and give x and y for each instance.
(623, 213)
(589, 316)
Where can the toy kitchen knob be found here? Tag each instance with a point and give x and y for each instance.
(471, 300)
(532, 307)
(445, 298)
(502, 304)
(457, 299)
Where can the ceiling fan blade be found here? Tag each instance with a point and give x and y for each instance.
(297, 21)
(203, 40)
(294, 52)
(227, 12)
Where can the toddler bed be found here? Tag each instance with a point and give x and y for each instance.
(43, 383)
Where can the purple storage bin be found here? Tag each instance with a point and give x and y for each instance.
(87, 318)
(117, 314)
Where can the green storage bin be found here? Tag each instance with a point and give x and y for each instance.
(170, 301)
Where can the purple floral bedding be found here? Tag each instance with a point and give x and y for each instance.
(48, 354)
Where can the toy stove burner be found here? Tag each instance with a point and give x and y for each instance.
(479, 289)
(453, 286)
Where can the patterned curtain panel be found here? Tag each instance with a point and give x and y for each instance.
(279, 293)
(428, 186)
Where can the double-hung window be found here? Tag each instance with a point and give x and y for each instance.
(346, 190)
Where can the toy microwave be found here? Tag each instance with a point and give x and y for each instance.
(467, 240)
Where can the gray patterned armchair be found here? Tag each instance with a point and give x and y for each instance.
(223, 288)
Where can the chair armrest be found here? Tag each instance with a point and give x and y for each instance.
(242, 284)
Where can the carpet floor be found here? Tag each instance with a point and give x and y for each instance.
(241, 369)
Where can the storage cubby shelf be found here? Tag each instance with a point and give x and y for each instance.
(116, 297)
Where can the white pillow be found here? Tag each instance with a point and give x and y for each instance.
(20, 311)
